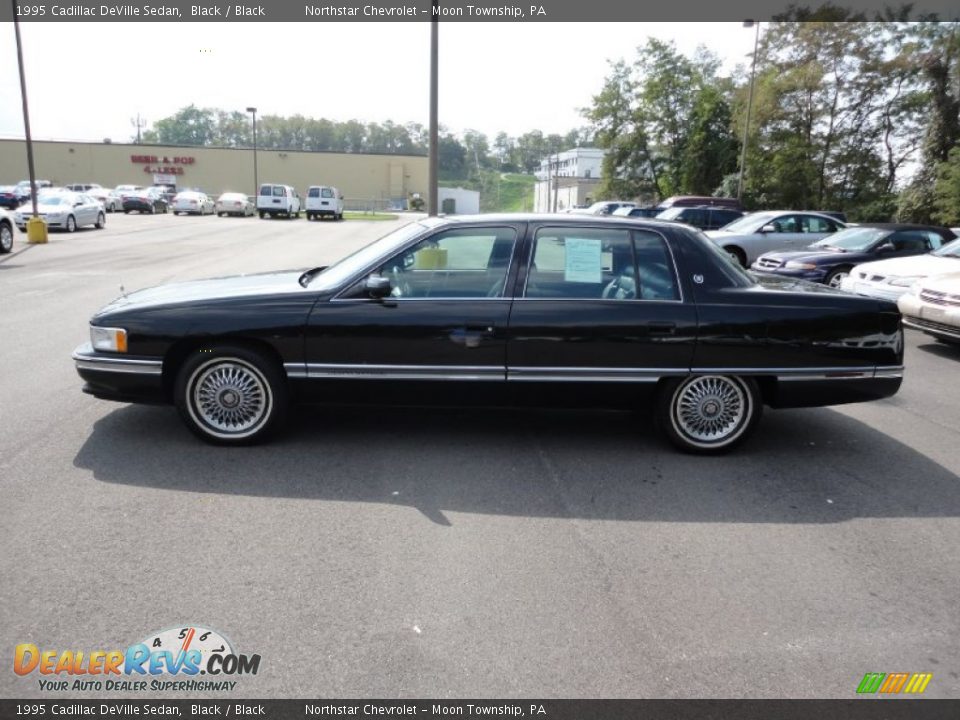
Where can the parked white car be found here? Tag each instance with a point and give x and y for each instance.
(753, 235)
(230, 203)
(6, 231)
(275, 200)
(64, 210)
(889, 279)
(110, 200)
(933, 306)
(324, 201)
(193, 202)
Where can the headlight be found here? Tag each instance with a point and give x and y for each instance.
(794, 265)
(109, 339)
(903, 281)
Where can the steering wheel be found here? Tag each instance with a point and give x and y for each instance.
(623, 287)
(401, 286)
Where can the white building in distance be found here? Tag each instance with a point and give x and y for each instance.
(568, 179)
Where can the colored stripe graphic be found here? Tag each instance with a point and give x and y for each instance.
(871, 683)
(918, 683)
(893, 683)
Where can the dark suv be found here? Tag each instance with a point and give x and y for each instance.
(706, 217)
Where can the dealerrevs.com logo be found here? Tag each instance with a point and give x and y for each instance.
(183, 653)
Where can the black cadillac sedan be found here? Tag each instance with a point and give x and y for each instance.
(150, 200)
(830, 260)
(507, 310)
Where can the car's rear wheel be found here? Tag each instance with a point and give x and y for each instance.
(6, 237)
(71, 224)
(101, 221)
(707, 414)
(836, 277)
(231, 395)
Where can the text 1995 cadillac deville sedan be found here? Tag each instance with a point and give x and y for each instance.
(537, 310)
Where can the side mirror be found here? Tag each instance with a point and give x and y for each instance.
(378, 286)
(769, 228)
(886, 247)
(341, 197)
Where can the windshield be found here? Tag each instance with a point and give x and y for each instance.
(671, 213)
(853, 239)
(950, 250)
(57, 200)
(337, 274)
(749, 223)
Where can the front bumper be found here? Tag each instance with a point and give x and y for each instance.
(874, 290)
(110, 376)
(810, 275)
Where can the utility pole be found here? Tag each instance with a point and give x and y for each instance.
(434, 160)
(138, 124)
(36, 226)
(746, 125)
(256, 183)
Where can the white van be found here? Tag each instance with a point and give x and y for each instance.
(324, 200)
(278, 200)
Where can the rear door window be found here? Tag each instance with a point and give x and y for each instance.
(326, 192)
(278, 191)
(313, 192)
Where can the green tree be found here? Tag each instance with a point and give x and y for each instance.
(189, 126)
(946, 191)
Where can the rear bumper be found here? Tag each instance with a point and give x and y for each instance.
(124, 379)
(815, 389)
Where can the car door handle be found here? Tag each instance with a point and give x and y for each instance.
(661, 328)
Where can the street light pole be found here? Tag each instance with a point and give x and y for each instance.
(746, 125)
(434, 159)
(36, 230)
(256, 182)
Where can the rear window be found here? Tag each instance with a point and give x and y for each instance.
(278, 191)
(313, 192)
(266, 189)
(327, 193)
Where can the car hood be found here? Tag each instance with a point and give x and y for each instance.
(818, 257)
(949, 283)
(212, 289)
(43, 207)
(795, 285)
(918, 265)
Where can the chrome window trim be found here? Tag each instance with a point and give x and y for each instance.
(518, 234)
(633, 249)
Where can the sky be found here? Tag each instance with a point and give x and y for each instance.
(87, 81)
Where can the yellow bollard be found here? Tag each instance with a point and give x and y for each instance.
(36, 231)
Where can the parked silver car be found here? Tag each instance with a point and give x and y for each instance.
(752, 235)
(64, 210)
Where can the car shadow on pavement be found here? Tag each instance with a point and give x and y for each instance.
(802, 466)
(950, 351)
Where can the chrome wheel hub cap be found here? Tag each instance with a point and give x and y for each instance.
(230, 397)
(710, 409)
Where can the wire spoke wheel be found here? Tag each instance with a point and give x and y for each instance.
(229, 397)
(711, 411)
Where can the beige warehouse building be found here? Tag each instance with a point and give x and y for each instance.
(365, 180)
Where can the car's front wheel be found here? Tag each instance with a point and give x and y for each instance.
(231, 395)
(101, 221)
(836, 277)
(6, 237)
(707, 414)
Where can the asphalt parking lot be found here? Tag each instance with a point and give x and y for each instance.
(448, 553)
